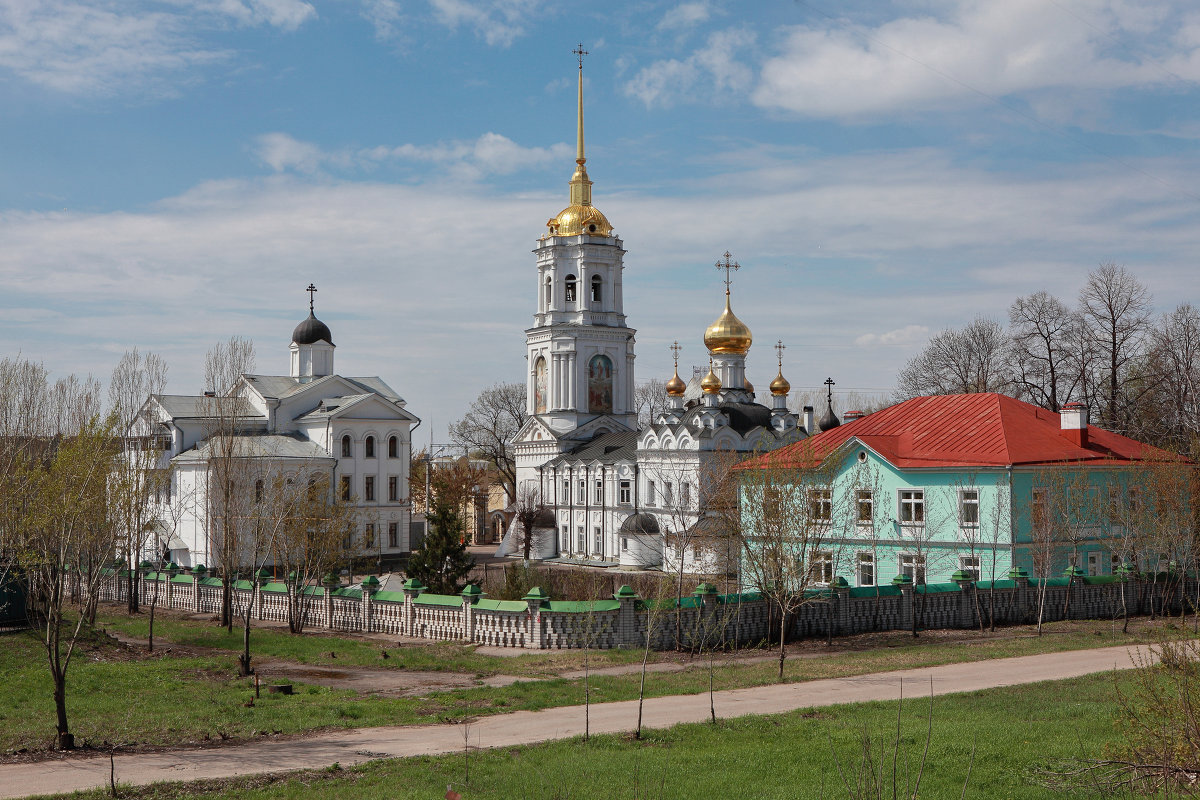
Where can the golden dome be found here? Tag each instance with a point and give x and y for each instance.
(749, 386)
(728, 334)
(710, 383)
(578, 218)
(780, 385)
(676, 386)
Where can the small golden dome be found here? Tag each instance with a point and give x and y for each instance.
(676, 387)
(780, 385)
(710, 383)
(749, 386)
(728, 334)
(578, 218)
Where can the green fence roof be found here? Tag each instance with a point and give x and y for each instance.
(438, 600)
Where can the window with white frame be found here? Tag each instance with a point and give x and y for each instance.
(347, 446)
(864, 506)
(369, 447)
(393, 535)
(866, 569)
(580, 540)
(369, 488)
(651, 493)
(626, 493)
(393, 488)
(820, 569)
(968, 508)
(912, 506)
(970, 566)
(344, 487)
(369, 535)
(599, 495)
(624, 543)
(393, 447)
(582, 491)
(566, 497)
(1095, 563)
(913, 565)
(566, 539)
(597, 541)
(820, 505)
(685, 495)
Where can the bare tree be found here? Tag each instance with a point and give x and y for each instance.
(1116, 308)
(313, 542)
(964, 361)
(140, 476)
(650, 400)
(1175, 359)
(529, 509)
(227, 475)
(489, 427)
(1042, 352)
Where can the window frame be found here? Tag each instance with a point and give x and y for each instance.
(393, 446)
(626, 492)
(864, 497)
(866, 558)
(820, 505)
(912, 504)
(964, 504)
(369, 447)
(345, 487)
(915, 562)
(347, 446)
(393, 493)
(393, 535)
(369, 488)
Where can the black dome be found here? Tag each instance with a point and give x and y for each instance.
(640, 523)
(311, 331)
(829, 420)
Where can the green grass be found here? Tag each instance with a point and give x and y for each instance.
(314, 647)
(169, 699)
(1012, 730)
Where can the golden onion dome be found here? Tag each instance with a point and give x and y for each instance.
(780, 385)
(676, 387)
(728, 334)
(749, 386)
(710, 383)
(577, 219)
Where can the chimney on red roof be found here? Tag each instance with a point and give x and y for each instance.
(1073, 422)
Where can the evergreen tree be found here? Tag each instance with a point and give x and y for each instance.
(443, 562)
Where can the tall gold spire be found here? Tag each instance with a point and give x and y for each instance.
(580, 217)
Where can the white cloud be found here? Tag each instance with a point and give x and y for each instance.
(909, 334)
(110, 46)
(490, 154)
(712, 70)
(385, 16)
(1000, 49)
(497, 22)
(685, 15)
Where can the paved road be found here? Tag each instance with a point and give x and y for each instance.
(528, 727)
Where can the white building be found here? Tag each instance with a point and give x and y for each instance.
(614, 494)
(355, 431)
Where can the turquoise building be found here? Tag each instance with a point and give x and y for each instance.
(977, 483)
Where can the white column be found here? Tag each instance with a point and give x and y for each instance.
(573, 383)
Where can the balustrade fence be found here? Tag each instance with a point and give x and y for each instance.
(703, 619)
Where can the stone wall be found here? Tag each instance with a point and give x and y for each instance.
(704, 619)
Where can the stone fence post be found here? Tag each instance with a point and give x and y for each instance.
(370, 585)
(197, 576)
(966, 604)
(536, 638)
(261, 579)
(471, 595)
(839, 595)
(706, 595)
(1020, 577)
(172, 569)
(627, 627)
(330, 584)
(408, 618)
(904, 582)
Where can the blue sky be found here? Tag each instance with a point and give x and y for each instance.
(175, 172)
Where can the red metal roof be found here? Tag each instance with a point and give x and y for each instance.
(963, 430)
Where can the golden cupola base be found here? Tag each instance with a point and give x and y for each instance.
(710, 383)
(579, 219)
(728, 334)
(675, 386)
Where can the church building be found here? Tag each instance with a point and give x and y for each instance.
(354, 432)
(609, 492)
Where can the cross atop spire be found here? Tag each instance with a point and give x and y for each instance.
(829, 384)
(779, 348)
(312, 290)
(675, 348)
(579, 51)
(728, 265)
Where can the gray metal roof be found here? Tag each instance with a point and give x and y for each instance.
(332, 405)
(183, 406)
(281, 386)
(259, 446)
(607, 448)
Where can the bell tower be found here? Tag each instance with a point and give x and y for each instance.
(579, 350)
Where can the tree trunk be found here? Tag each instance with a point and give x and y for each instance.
(782, 640)
(150, 639)
(637, 734)
(64, 739)
(244, 659)
(1124, 608)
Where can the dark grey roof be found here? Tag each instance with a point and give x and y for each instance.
(640, 523)
(607, 447)
(260, 446)
(311, 331)
(829, 419)
(184, 406)
(743, 417)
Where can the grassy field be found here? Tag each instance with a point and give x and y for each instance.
(1012, 731)
(118, 693)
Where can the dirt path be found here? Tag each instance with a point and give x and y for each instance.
(528, 727)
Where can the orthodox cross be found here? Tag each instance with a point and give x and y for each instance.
(311, 291)
(675, 348)
(579, 51)
(829, 384)
(728, 265)
(779, 348)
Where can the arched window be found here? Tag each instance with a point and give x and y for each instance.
(600, 385)
(548, 300)
(539, 386)
(369, 448)
(393, 447)
(596, 283)
(570, 285)
(347, 447)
